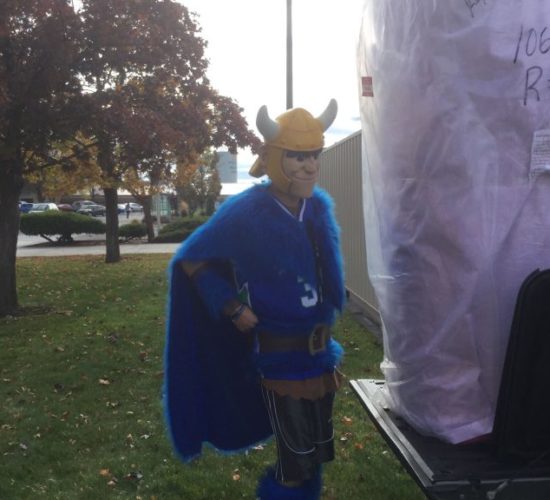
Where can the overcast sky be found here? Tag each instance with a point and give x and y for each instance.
(247, 53)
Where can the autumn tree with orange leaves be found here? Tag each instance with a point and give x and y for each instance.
(148, 96)
(200, 184)
(128, 76)
(71, 175)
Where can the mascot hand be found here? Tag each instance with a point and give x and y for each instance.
(246, 321)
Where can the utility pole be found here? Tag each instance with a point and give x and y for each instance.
(288, 54)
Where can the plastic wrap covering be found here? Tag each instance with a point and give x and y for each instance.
(455, 111)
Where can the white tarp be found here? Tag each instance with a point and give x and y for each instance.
(455, 111)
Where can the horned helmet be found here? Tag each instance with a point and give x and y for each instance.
(294, 130)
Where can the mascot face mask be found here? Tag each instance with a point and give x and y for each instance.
(295, 131)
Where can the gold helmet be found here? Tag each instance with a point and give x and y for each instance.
(294, 130)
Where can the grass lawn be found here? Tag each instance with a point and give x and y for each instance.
(80, 390)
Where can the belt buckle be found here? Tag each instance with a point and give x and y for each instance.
(317, 340)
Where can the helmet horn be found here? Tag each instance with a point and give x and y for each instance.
(329, 114)
(268, 128)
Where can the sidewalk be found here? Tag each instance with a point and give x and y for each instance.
(85, 245)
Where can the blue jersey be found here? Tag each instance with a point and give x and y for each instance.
(285, 299)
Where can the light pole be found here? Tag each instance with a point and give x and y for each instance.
(288, 54)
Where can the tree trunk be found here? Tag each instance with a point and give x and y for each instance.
(112, 245)
(10, 189)
(146, 202)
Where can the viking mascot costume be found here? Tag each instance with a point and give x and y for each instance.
(223, 385)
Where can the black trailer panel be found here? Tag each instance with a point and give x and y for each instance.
(454, 472)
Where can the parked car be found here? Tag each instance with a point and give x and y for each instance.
(42, 207)
(24, 207)
(65, 207)
(93, 210)
(136, 207)
(121, 208)
(77, 205)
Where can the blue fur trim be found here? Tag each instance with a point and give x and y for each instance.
(211, 390)
(251, 230)
(270, 489)
(214, 291)
(328, 232)
(297, 365)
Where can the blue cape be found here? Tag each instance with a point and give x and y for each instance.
(212, 391)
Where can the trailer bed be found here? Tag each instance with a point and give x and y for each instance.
(448, 472)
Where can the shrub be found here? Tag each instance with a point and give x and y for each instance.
(163, 219)
(64, 224)
(188, 224)
(179, 229)
(172, 237)
(133, 230)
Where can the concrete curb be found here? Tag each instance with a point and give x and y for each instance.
(99, 249)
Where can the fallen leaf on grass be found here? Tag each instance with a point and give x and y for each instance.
(134, 475)
(104, 472)
(346, 436)
(347, 420)
(236, 475)
(104, 381)
(113, 338)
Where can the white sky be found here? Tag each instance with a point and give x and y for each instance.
(247, 53)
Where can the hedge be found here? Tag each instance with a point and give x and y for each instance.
(133, 230)
(183, 223)
(179, 229)
(64, 224)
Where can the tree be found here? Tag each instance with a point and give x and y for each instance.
(203, 187)
(144, 68)
(38, 47)
(128, 76)
(143, 188)
(72, 174)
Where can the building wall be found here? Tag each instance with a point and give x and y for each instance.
(227, 166)
(341, 176)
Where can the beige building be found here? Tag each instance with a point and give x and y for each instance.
(341, 176)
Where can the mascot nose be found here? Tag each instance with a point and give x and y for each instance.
(310, 164)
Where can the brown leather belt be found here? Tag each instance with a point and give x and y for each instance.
(314, 343)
